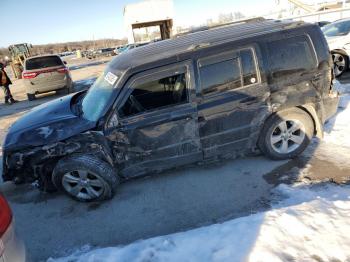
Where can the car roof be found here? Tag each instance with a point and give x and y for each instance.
(193, 41)
(341, 20)
(38, 56)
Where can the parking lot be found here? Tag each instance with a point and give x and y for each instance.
(177, 200)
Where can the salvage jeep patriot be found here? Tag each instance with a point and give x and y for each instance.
(200, 97)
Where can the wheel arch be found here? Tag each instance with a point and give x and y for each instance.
(306, 112)
(345, 54)
(307, 108)
(340, 51)
(318, 128)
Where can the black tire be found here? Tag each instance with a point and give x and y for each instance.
(100, 170)
(341, 63)
(31, 97)
(271, 126)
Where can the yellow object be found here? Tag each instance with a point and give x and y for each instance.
(78, 54)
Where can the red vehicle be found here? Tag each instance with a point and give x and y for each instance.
(11, 247)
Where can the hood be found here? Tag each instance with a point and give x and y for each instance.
(46, 124)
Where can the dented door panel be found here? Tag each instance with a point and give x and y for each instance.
(157, 141)
(229, 120)
(229, 123)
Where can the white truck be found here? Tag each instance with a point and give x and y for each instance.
(149, 13)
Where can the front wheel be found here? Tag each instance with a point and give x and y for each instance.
(341, 63)
(286, 134)
(85, 178)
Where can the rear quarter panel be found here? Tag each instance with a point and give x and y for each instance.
(292, 89)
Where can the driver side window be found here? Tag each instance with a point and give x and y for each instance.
(154, 94)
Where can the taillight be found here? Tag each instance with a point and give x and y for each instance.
(5, 215)
(62, 70)
(26, 75)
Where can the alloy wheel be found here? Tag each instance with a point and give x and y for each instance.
(339, 64)
(287, 136)
(83, 185)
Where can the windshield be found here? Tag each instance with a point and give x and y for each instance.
(98, 96)
(337, 29)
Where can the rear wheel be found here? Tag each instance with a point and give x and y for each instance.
(85, 178)
(31, 97)
(341, 63)
(286, 134)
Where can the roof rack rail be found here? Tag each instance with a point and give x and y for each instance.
(204, 28)
(248, 20)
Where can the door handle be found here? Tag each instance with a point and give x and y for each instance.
(248, 101)
(201, 119)
(187, 118)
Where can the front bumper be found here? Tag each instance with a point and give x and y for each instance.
(15, 165)
(38, 88)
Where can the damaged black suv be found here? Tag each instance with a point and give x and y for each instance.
(200, 97)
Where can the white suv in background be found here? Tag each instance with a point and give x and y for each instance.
(44, 74)
(338, 38)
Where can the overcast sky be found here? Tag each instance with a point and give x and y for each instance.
(49, 21)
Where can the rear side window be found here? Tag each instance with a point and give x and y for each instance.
(43, 62)
(294, 54)
(220, 76)
(228, 71)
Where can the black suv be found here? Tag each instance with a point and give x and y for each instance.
(200, 97)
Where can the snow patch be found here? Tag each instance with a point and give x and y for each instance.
(310, 223)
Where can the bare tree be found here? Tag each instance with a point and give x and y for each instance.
(225, 18)
(73, 46)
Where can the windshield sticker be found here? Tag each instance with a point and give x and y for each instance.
(111, 78)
